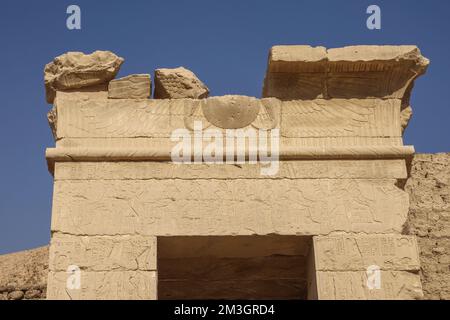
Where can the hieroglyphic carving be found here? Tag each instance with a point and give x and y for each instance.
(221, 207)
(333, 169)
(352, 285)
(358, 252)
(318, 119)
(338, 118)
(107, 253)
(107, 285)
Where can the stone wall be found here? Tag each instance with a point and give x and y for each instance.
(429, 220)
(23, 275)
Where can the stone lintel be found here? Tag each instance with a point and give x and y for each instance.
(175, 207)
(163, 153)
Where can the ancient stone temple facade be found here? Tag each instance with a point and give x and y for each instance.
(315, 209)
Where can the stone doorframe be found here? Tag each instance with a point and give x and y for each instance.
(341, 168)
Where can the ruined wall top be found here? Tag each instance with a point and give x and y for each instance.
(350, 102)
(305, 72)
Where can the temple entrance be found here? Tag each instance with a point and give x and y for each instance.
(227, 267)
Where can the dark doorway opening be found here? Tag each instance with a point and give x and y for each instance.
(233, 267)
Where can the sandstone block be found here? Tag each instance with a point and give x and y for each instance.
(135, 86)
(102, 253)
(303, 72)
(297, 58)
(228, 207)
(341, 118)
(358, 252)
(76, 70)
(338, 122)
(304, 169)
(111, 285)
(178, 83)
(15, 295)
(352, 285)
(232, 247)
(231, 112)
(32, 294)
(23, 270)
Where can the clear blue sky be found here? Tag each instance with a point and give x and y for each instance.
(224, 42)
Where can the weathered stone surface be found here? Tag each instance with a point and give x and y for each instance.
(76, 70)
(340, 118)
(343, 166)
(305, 169)
(429, 187)
(339, 122)
(135, 86)
(234, 207)
(304, 72)
(33, 294)
(103, 253)
(358, 252)
(297, 58)
(405, 116)
(178, 83)
(15, 295)
(429, 220)
(24, 270)
(112, 285)
(52, 118)
(231, 112)
(352, 285)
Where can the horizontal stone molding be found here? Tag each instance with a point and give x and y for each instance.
(163, 153)
(174, 207)
(299, 142)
